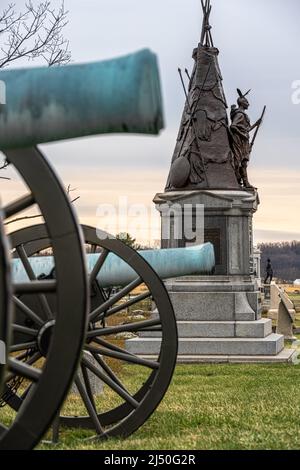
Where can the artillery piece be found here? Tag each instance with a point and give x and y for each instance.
(66, 310)
(31, 105)
(114, 310)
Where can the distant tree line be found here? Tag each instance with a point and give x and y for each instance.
(285, 258)
(126, 238)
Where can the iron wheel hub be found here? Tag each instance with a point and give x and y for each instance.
(45, 336)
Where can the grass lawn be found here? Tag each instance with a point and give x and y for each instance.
(216, 407)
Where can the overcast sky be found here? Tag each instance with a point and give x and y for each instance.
(259, 44)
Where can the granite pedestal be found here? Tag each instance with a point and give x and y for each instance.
(219, 316)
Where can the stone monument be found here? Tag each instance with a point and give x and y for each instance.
(219, 316)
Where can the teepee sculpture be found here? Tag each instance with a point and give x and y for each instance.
(203, 158)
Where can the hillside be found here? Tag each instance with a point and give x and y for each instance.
(285, 258)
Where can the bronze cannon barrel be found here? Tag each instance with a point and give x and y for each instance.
(168, 263)
(52, 104)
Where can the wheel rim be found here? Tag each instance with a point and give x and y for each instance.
(39, 406)
(124, 418)
(5, 301)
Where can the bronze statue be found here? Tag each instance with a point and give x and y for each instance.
(209, 153)
(240, 138)
(202, 157)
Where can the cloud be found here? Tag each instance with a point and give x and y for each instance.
(258, 44)
(267, 236)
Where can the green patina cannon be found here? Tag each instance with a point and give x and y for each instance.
(167, 263)
(46, 105)
(68, 309)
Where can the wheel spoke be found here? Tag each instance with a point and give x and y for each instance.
(24, 395)
(100, 262)
(24, 330)
(153, 328)
(19, 205)
(31, 275)
(27, 311)
(35, 287)
(131, 358)
(87, 384)
(120, 391)
(89, 406)
(21, 357)
(22, 346)
(108, 345)
(136, 326)
(127, 304)
(101, 310)
(32, 359)
(26, 263)
(29, 361)
(93, 249)
(109, 371)
(24, 370)
(11, 398)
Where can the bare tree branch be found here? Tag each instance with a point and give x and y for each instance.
(19, 219)
(4, 166)
(9, 18)
(28, 217)
(69, 191)
(35, 32)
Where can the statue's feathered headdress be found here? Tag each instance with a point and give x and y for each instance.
(241, 95)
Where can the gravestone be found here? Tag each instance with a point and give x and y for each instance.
(286, 318)
(96, 385)
(276, 293)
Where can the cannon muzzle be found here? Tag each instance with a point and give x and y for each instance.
(169, 263)
(51, 104)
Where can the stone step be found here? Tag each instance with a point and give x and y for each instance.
(285, 356)
(210, 284)
(269, 346)
(218, 329)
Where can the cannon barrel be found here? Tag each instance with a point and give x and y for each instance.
(168, 263)
(52, 104)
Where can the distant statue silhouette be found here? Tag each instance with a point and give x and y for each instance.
(269, 271)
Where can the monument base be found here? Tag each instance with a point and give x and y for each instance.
(218, 320)
(219, 316)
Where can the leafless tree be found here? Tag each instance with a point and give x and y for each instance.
(71, 190)
(36, 32)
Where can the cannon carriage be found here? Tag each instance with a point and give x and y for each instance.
(69, 325)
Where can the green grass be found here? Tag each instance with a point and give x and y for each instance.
(215, 407)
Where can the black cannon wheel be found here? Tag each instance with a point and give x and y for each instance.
(5, 301)
(132, 408)
(51, 378)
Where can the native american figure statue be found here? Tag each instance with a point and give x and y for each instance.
(240, 138)
(202, 157)
(209, 153)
